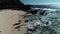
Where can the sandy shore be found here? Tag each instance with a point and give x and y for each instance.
(8, 18)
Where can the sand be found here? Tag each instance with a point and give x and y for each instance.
(8, 18)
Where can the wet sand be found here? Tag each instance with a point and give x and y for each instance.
(8, 18)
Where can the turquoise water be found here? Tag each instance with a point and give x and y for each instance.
(46, 23)
(38, 2)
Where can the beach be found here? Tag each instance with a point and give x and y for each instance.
(10, 17)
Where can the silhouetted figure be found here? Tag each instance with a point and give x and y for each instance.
(13, 4)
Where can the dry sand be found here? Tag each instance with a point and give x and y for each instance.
(8, 18)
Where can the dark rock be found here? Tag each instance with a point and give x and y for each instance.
(16, 24)
(17, 27)
(34, 12)
(19, 20)
(12, 4)
(26, 20)
(0, 31)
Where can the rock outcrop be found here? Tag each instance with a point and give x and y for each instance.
(12, 4)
